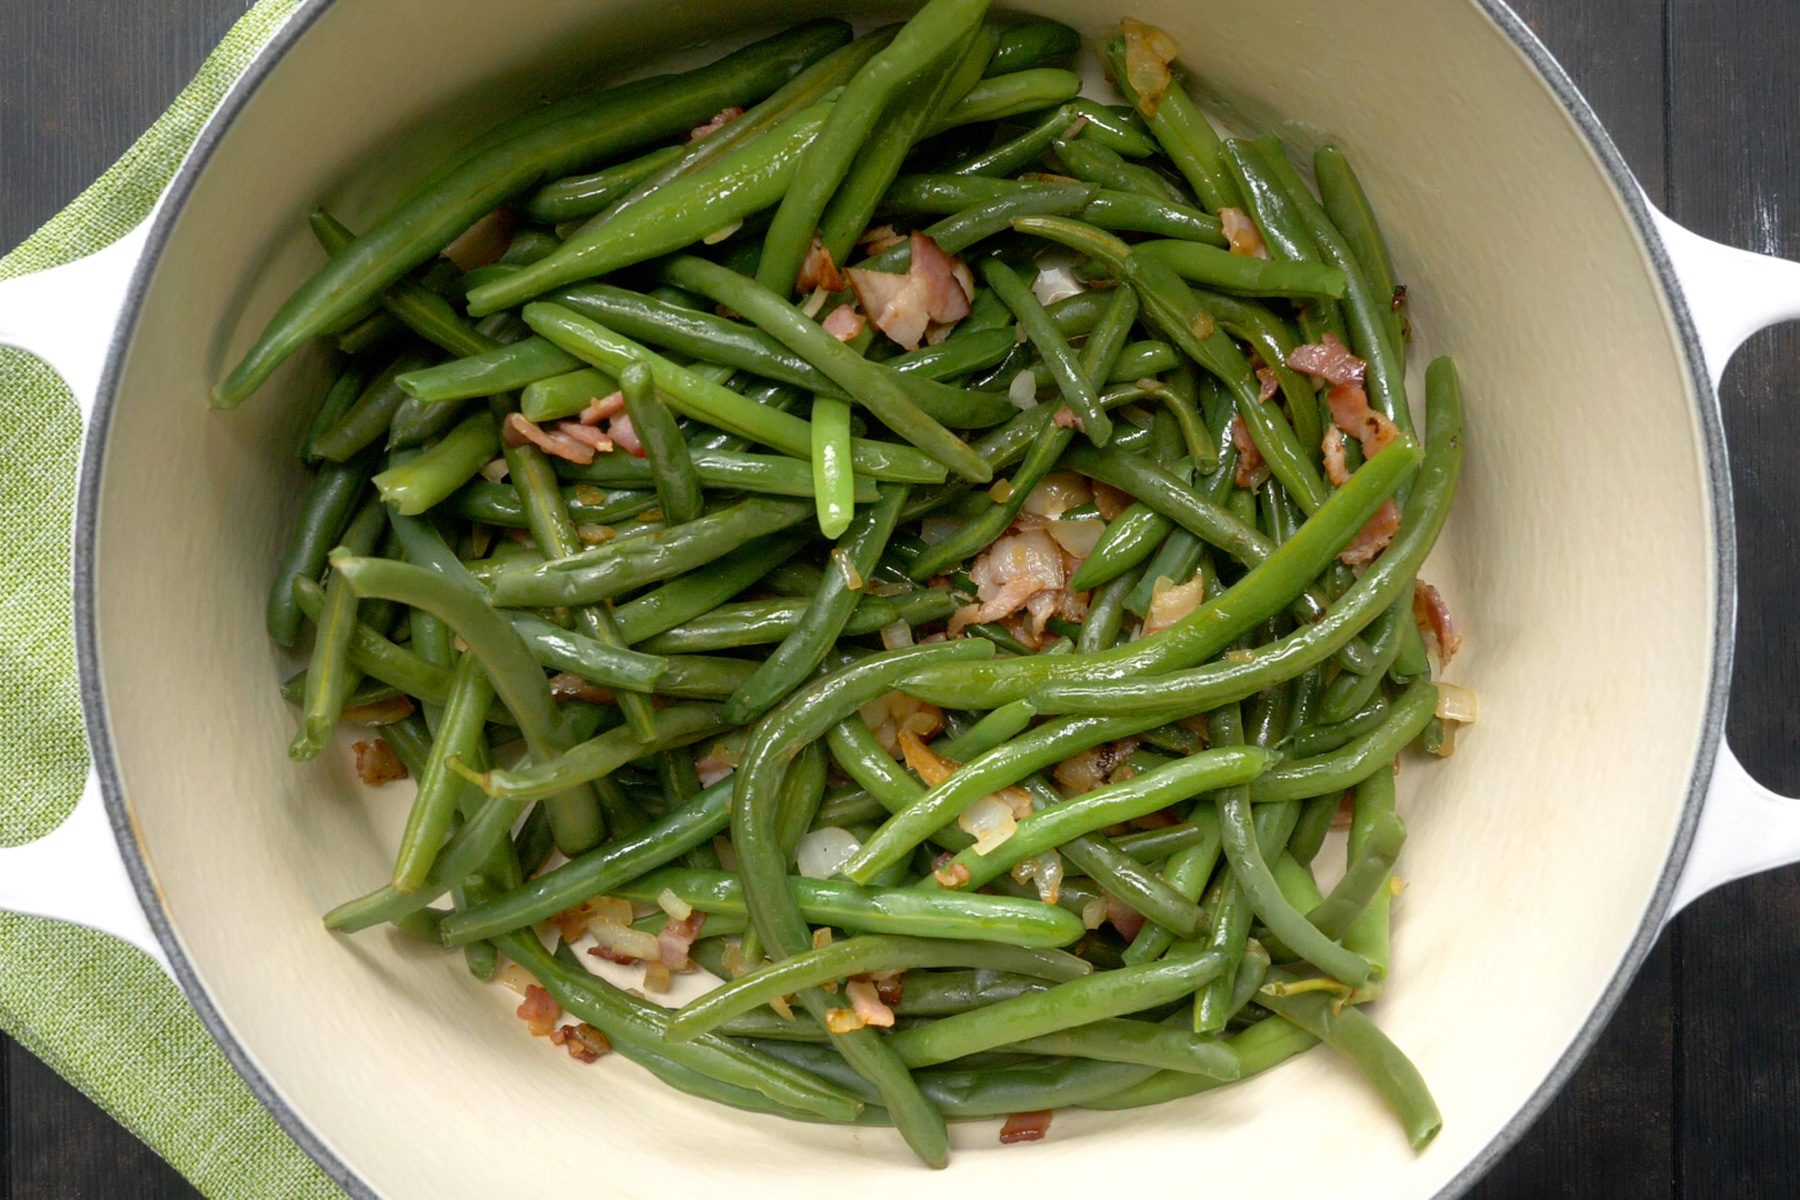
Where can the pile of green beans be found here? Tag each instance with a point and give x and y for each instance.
(977, 711)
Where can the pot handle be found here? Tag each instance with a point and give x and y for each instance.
(1732, 294)
(67, 316)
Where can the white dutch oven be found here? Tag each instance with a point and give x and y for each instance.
(1590, 556)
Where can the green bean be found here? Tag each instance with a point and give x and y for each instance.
(1031, 44)
(969, 225)
(1077, 1002)
(414, 303)
(1284, 232)
(440, 788)
(760, 622)
(699, 592)
(1347, 207)
(1071, 380)
(430, 219)
(1320, 738)
(337, 401)
(564, 395)
(376, 656)
(834, 484)
(803, 790)
(1008, 96)
(517, 679)
(1129, 212)
(331, 502)
(1365, 878)
(622, 565)
(677, 480)
(941, 993)
(576, 196)
(1183, 131)
(1352, 1035)
(995, 729)
(598, 757)
(1242, 274)
(931, 33)
(1268, 1043)
(499, 504)
(427, 480)
(1130, 538)
(629, 1021)
(498, 369)
(328, 676)
(369, 333)
(1353, 762)
(860, 955)
(1093, 163)
(365, 421)
(1176, 561)
(1120, 876)
(1012, 156)
(1372, 807)
(695, 397)
(1350, 692)
(612, 666)
(1113, 1039)
(1186, 871)
(1109, 805)
(801, 652)
(891, 398)
(1316, 817)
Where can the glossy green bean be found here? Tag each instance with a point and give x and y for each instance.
(761, 622)
(677, 479)
(336, 402)
(1347, 207)
(1187, 871)
(1242, 274)
(548, 776)
(1121, 877)
(366, 421)
(1065, 367)
(1182, 130)
(329, 675)
(498, 369)
(1007, 96)
(438, 798)
(1091, 162)
(1030, 44)
(966, 226)
(424, 482)
(499, 504)
(325, 513)
(1351, 763)
(564, 395)
(833, 481)
(1267, 1044)
(1113, 1039)
(574, 197)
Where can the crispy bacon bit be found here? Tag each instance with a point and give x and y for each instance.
(484, 241)
(1351, 413)
(608, 954)
(721, 119)
(1110, 500)
(376, 762)
(676, 938)
(1252, 471)
(818, 270)
(519, 432)
(1337, 468)
(1241, 233)
(1433, 617)
(1170, 602)
(1065, 418)
(878, 238)
(1373, 537)
(583, 1042)
(935, 291)
(1021, 570)
(1025, 1127)
(1329, 361)
(1162, 818)
(889, 985)
(567, 686)
(866, 1002)
(1127, 920)
(1346, 811)
(1148, 53)
(843, 1020)
(1399, 300)
(539, 1011)
(948, 872)
(889, 715)
(1266, 384)
(381, 712)
(1092, 767)
(602, 408)
(844, 323)
(622, 433)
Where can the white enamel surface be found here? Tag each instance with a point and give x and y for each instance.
(1579, 558)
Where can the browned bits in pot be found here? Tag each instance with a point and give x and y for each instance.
(376, 762)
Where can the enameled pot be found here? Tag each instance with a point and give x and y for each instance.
(1590, 556)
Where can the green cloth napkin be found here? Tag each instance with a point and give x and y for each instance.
(98, 1011)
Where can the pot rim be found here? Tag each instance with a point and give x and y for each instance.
(105, 763)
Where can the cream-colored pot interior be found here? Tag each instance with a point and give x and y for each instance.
(1579, 558)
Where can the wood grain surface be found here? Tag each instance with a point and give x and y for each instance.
(1694, 1089)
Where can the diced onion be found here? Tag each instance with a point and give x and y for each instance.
(674, 905)
(1093, 913)
(494, 471)
(626, 941)
(989, 821)
(611, 908)
(719, 235)
(896, 636)
(822, 853)
(1022, 391)
(1055, 283)
(1057, 494)
(515, 977)
(1077, 537)
(1459, 704)
(815, 303)
(657, 978)
(1001, 491)
(1046, 871)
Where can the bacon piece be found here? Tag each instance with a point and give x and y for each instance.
(539, 1011)
(935, 291)
(376, 762)
(676, 938)
(1065, 418)
(1148, 53)
(519, 432)
(1373, 538)
(1241, 233)
(1011, 574)
(1433, 617)
(720, 120)
(1025, 1127)
(1266, 384)
(1337, 468)
(1110, 500)
(624, 435)
(608, 954)
(866, 1002)
(719, 761)
(583, 1042)
(818, 270)
(1252, 472)
(1351, 413)
(1170, 602)
(889, 985)
(565, 685)
(1127, 920)
(587, 435)
(601, 408)
(948, 872)
(844, 323)
(1093, 767)
(1329, 361)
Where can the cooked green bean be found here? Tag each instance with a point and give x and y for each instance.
(328, 675)
(576, 196)
(331, 501)
(424, 482)
(1113, 1039)
(1242, 274)
(1064, 366)
(440, 788)
(1089, 161)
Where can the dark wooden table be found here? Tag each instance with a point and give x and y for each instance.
(1694, 1090)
